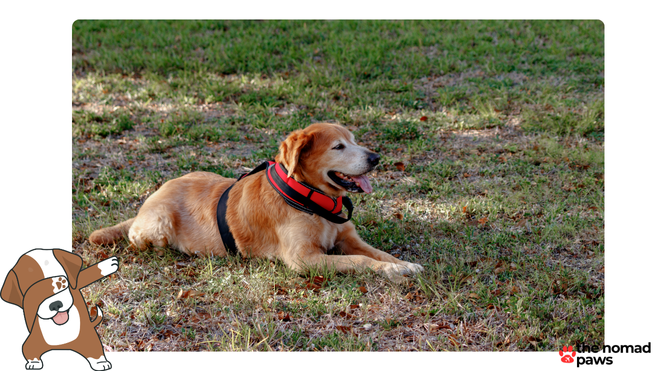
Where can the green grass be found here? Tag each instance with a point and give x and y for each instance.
(492, 177)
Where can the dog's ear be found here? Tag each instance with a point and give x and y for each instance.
(71, 263)
(11, 293)
(291, 149)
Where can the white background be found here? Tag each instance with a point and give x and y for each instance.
(35, 175)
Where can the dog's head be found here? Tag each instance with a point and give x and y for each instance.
(325, 156)
(40, 283)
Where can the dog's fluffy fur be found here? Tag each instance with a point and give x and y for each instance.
(181, 214)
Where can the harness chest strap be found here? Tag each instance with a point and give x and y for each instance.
(297, 195)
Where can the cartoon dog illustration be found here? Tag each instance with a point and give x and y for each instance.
(46, 284)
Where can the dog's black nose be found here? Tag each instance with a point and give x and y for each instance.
(373, 159)
(55, 306)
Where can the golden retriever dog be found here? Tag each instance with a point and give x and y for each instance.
(325, 157)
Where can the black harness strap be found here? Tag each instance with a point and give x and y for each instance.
(292, 197)
(227, 237)
(221, 211)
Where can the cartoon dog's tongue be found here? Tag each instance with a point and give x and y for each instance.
(61, 318)
(363, 183)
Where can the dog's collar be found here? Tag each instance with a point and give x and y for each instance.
(305, 198)
(298, 195)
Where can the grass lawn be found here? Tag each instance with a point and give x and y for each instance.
(492, 177)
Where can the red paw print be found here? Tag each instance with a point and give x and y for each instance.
(567, 358)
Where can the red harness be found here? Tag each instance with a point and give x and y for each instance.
(298, 195)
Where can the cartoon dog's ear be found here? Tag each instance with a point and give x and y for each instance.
(71, 263)
(11, 293)
(291, 148)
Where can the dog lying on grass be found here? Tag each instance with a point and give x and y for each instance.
(292, 210)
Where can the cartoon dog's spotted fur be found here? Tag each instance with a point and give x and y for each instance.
(59, 283)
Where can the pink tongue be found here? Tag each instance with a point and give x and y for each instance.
(61, 317)
(364, 184)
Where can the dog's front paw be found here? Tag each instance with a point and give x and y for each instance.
(109, 266)
(413, 267)
(99, 364)
(399, 272)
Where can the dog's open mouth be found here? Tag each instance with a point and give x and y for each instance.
(351, 183)
(61, 318)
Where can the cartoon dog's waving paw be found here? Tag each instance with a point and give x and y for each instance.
(109, 266)
(34, 364)
(100, 363)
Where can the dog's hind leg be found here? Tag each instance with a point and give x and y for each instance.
(34, 364)
(32, 351)
(99, 364)
(153, 227)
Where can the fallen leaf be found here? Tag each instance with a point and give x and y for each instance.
(441, 326)
(313, 287)
(318, 280)
(482, 220)
(362, 289)
(521, 223)
(399, 166)
(344, 329)
(189, 294)
(474, 295)
(424, 118)
(280, 290)
(285, 317)
(399, 216)
(345, 315)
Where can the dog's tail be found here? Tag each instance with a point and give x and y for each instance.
(110, 235)
(99, 317)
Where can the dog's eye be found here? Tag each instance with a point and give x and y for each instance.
(339, 146)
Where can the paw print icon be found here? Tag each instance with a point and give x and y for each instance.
(567, 354)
